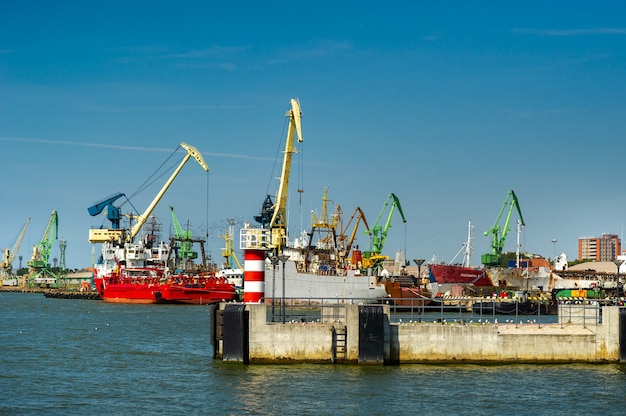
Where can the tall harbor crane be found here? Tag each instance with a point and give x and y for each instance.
(100, 235)
(499, 234)
(184, 237)
(6, 267)
(274, 215)
(39, 262)
(378, 233)
(346, 247)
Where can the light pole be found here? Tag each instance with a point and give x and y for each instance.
(618, 263)
(554, 251)
(283, 258)
(419, 263)
(274, 261)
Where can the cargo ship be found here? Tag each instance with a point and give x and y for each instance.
(532, 274)
(314, 269)
(136, 270)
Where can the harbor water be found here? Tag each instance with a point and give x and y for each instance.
(69, 356)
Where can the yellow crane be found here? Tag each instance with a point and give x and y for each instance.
(274, 215)
(228, 251)
(141, 219)
(360, 216)
(6, 267)
(97, 235)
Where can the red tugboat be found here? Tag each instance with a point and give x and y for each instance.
(138, 272)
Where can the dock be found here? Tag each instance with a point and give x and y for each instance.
(365, 334)
(55, 293)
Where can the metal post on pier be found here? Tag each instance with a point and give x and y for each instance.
(274, 261)
(618, 263)
(283, 258)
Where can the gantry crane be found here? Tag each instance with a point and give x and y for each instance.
(41, 272)
(378, 234)
(6, 269)
(274, 215)
(498, 234)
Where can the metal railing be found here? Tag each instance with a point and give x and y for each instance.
(439, 310)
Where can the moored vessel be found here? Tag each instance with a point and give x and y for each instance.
(136, 270)
(312, 268)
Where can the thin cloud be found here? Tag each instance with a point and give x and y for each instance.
(320, 50)
(212, 52)
(169, 108)
(572, 32)
(131, 148)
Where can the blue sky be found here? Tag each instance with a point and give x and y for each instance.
(449, 105)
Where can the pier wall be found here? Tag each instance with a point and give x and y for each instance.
(270, 341)
(432, 342)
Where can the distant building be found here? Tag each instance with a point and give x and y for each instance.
(605, 248)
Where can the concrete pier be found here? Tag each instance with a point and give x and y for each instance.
(363, 334)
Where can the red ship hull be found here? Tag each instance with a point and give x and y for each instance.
(180, 289)
(448, 273)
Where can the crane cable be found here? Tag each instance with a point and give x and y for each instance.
(153, 178)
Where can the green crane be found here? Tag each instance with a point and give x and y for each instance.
(185, 239)
(498, 234)
(378, 233)
(39, 262)
(41, 251)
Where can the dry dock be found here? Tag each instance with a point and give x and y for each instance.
(363, 334)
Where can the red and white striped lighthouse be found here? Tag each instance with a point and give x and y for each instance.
(254, 275)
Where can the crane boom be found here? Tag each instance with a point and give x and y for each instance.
(185, 251)
(379, 232)
(41, 251)
(9, 254)
(360, 216)
(141, 219)
(499, 234)
(274, 215)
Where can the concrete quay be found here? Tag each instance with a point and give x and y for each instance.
(363, 334)
(55, 293)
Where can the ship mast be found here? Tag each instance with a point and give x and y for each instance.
(519, 245)
(469, 246)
